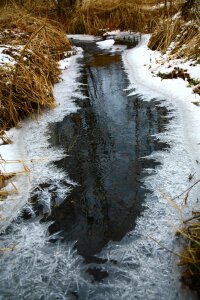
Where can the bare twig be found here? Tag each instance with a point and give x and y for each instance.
(187, 190)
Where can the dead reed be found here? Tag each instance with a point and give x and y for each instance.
(26, 86)
(7, 186)
(189, 258)
(92, 16)
(88, 16)
(191, 255)
(4, 138)
(184, 34)
(165, 32)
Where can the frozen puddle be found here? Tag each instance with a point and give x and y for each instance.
(96, 221)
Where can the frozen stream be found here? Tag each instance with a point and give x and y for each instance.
(89, 228)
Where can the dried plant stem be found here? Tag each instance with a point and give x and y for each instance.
(186, 191)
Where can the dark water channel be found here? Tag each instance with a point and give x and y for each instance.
(105, 140)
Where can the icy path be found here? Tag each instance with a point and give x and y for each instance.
(37, 269)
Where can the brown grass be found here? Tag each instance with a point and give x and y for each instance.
(190, 232)
(91, 16)
(36, 44)
(191, 254)
(165, 32)
(88, 16)
(7, 177)
(184, 33)
(26, 87)
(188, 42)
(4, 138)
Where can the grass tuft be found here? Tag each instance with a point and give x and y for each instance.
(26, 85)
(182, 36)
(92, 16)
(191, 254)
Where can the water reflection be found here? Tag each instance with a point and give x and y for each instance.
(105, 141)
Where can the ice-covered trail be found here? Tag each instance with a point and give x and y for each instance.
(138, 267)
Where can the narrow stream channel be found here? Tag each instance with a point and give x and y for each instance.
(107, 142)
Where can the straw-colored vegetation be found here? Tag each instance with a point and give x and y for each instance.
(170, 21)
(190, 257)
(7, 186)
(184, 34)
(36, 45)
(92, 16)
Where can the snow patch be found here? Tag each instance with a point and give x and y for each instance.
(106, 44)
(5, 58)
(82, 37)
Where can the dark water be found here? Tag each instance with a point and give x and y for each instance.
(105, 140)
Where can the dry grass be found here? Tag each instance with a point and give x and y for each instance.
(91, 16)
(88, 16)
(4, 178)
(165, 32)
(26, 87)
(50, 9)
(191, 254)
(183, 33)
(190, 232)
(4, 138)
(7, 186)
(197, 89)
(188, 41)
(186, 37)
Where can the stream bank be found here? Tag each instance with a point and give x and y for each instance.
(122, 266)
(107, 141)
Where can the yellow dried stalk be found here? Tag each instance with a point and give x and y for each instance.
(191, 253)
(6, 177)
(5, 139)
(184, 34)
(27, 86)
(91, 16)
(190, 256)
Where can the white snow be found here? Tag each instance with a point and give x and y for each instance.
(144, 60)
(40, 268)
(121, 34)
(5, 58)
(160, 5)
(82, 37)
(113, 32)
(63, 64)
(106, 44)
